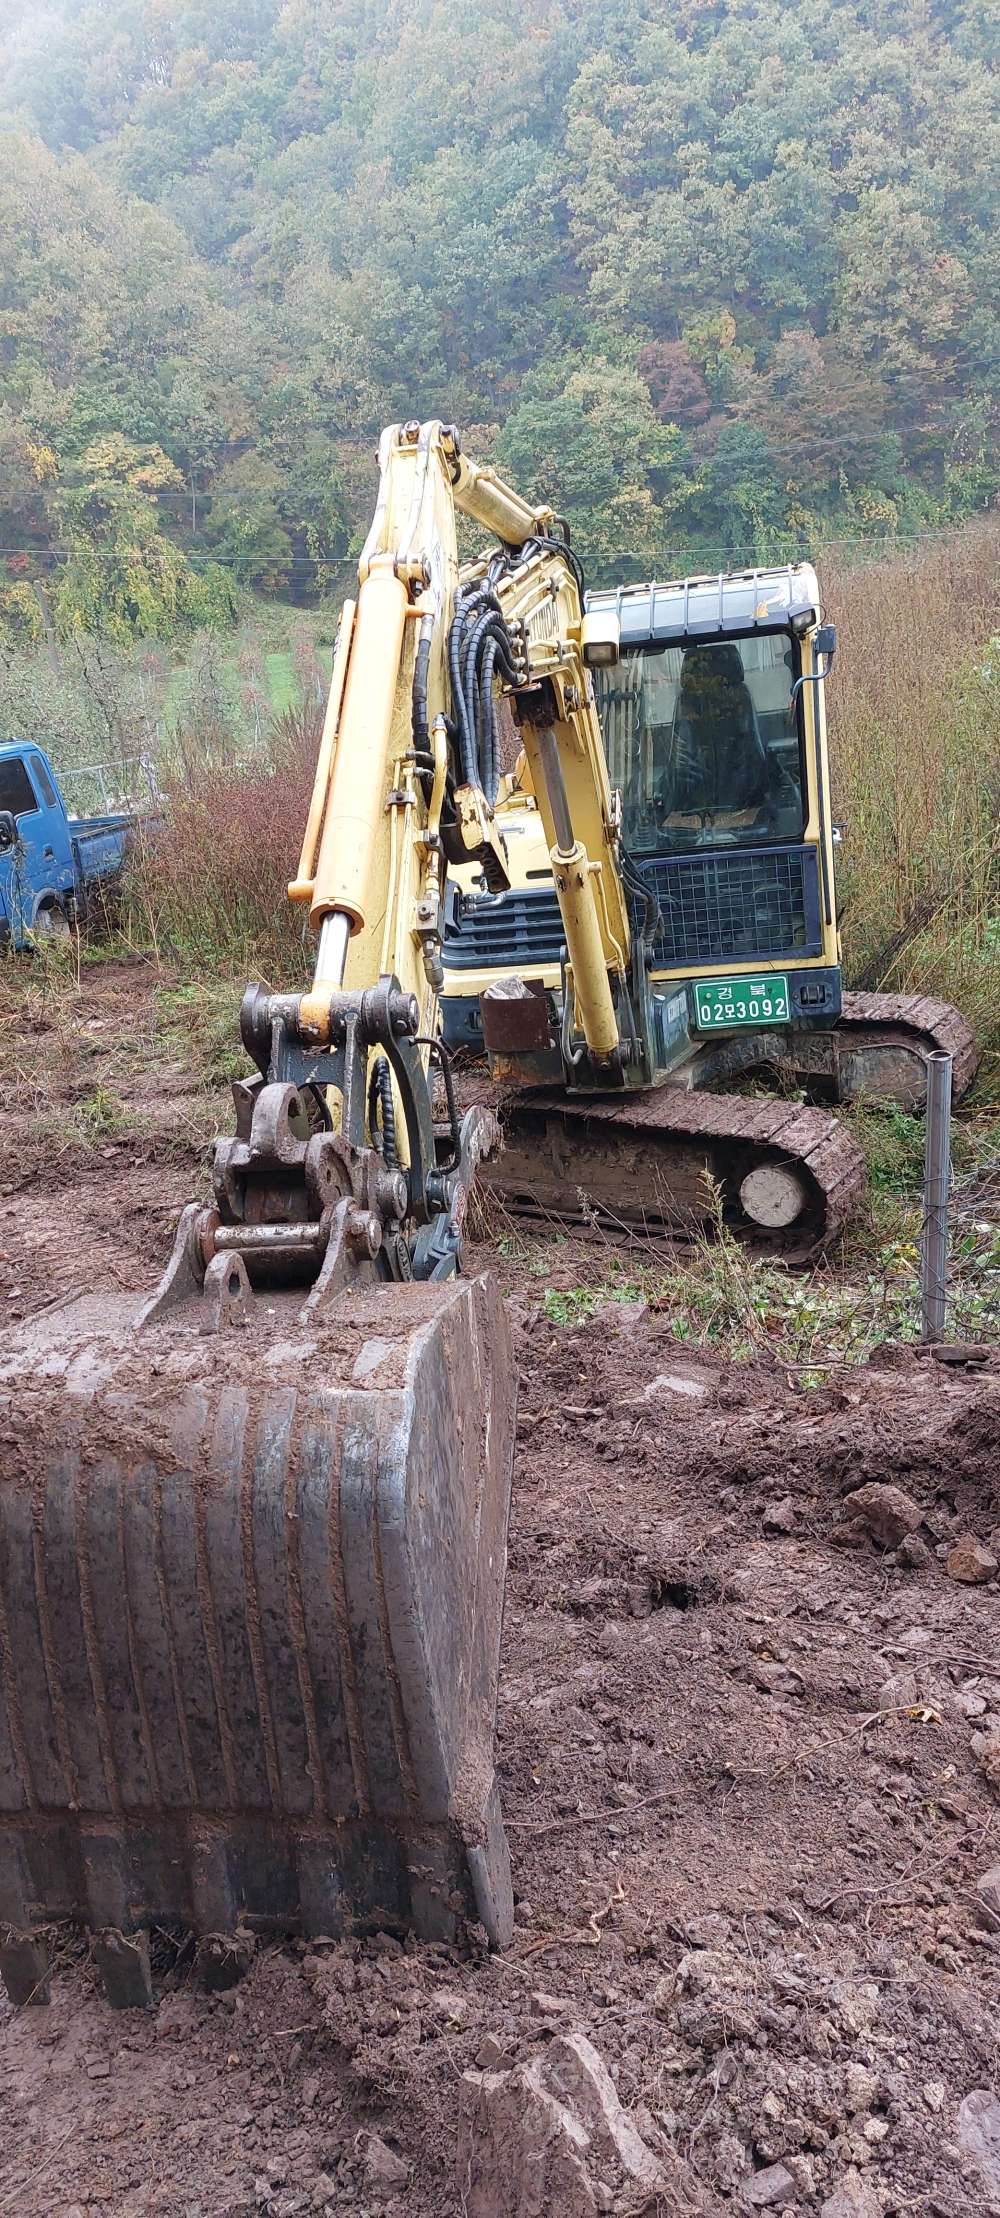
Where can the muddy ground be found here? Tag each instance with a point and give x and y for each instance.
(749, 1751)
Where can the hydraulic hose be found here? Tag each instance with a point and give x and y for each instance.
(421, 667)
(641, 890)
(382, 1112)
(479, 645)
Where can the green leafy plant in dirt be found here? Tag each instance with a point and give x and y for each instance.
(573, 1305)
(718, 1295)
(97, 1120)
(199, 1021)
(811, 1323)
(101, 1116)
(893, 1143)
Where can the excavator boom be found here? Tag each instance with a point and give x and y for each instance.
(253, 1528)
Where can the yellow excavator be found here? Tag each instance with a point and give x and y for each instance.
(714, 728)
(253, 1528)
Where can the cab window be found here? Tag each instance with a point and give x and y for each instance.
(16, 790)
(44, 782)
(703, 743)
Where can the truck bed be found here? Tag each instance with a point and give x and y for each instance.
(100, 844)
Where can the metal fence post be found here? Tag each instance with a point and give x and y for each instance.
(937, 1173)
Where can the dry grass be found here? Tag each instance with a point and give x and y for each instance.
(914, 704)
(212, 883)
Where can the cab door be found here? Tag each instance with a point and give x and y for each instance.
(41, 864)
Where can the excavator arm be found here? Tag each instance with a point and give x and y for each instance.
(541, 598)
(407, 772)
(253, 1529)
(406, 779)
(393, 762)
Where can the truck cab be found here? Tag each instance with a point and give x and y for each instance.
(50, 862)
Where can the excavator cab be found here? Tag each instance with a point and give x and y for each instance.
(719, 834)
(714, 730)
(711, 768)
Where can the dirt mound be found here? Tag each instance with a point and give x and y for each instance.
(750, 1765)
(739, 1764)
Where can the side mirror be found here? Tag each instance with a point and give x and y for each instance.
(824, 649)
(8, 832)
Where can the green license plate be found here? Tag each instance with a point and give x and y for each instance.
(720, 1002)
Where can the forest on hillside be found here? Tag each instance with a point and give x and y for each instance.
(721, 281)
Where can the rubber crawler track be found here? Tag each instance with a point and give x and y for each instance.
(730, 1135)
(919, 1022)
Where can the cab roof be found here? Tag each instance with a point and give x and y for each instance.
(727, 605)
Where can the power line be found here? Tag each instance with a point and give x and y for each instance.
(700, 549)
(101, 554)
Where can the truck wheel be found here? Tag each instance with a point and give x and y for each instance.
(52, 923)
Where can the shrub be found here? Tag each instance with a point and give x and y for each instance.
(212, 880)
(914, 705)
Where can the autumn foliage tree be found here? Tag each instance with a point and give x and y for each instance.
(706, 275)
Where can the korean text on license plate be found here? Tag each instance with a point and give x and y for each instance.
(720, 1002)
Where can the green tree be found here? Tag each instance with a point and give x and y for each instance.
(739, 504)
(245, 527)
(586, 439)
(247, 232)
(121, 575)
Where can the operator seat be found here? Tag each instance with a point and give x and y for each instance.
(720, 763)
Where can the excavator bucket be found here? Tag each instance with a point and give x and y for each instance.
(251, 1590)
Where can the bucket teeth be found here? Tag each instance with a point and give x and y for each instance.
(225, 1958)
(250, 1606)
(24, 1967)
(121, 1961)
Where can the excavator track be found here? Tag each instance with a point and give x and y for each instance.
(649, 1162)
(872, 1025)
(642, 1162)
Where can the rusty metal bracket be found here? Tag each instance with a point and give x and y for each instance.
(296, 1207)
(185, 1272)
(226, 1294)
(437, 1250)
(349, 1257)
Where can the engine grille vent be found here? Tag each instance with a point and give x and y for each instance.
(508, 930)
(713, 909)
(717, 908)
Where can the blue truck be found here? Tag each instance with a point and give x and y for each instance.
(51, 863)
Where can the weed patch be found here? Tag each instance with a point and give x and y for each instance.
(210, 885)
(199, 1020)
(718, 1295)
(101, 1116)
(914, 707)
